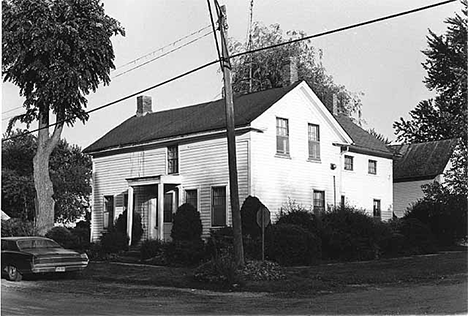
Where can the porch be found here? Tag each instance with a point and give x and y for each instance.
(156, 198)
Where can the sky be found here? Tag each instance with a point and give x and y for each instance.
(381, 60)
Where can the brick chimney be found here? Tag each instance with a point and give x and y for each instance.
(143, 105)
(289, 71)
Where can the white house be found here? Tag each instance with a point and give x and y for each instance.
(289, 146)
(416, 165)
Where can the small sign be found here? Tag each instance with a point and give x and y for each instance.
(263, 216)
(60, 269)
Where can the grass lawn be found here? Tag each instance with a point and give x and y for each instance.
(320, 279)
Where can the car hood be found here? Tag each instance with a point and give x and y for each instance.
(51, 251)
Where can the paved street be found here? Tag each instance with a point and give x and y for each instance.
(88, 297)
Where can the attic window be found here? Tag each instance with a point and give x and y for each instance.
(172, 159)
(372, 168)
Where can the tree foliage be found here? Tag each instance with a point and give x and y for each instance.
(71, 173)
(446, 115)
(56, 52)
(267, 66)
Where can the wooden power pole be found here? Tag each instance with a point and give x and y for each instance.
(231, 141)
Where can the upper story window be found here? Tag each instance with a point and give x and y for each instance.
(282, 136)
(191, 197)
(348, 163)
(377, 211)
(372, 167)
(172, 159)
(314, 142)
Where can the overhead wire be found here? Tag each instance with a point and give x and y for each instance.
(241, 54)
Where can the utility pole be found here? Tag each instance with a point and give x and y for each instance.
(231, 140)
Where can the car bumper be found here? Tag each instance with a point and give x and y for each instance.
(46, 268)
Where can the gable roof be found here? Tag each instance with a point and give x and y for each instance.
(210, 116)
(204, 117)
(421, 161)
(363, 142)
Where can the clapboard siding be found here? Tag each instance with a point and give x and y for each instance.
(202, 165)
(407, 193)
(277, 179)
(361, 188)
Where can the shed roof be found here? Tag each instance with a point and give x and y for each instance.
(421, 161)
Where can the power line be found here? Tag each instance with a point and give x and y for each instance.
(244, 53)
(165, 54)
(164, 47)
(345, 28)
(121, 99)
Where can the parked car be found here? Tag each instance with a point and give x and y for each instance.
(30, 255)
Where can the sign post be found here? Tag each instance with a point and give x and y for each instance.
(263, 219)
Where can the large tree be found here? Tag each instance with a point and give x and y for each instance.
(446, 115)
(56, 52)
(264, 69)
(70, 171)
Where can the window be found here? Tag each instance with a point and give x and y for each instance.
(108, 211)
(377, 209)
(319, 202)
(172, 159)
(191, 197)
(218, 206)
(372, 167)
(348, 162)
(282, 136)
(314, 142)
(343, 201)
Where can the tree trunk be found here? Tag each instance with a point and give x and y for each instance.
(42, 183)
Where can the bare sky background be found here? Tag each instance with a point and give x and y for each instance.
(382, 60)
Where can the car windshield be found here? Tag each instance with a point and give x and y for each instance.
(36, 244)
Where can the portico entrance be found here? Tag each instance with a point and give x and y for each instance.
(157, 198)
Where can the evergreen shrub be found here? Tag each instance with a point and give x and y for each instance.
(64, 237)
(120, 226)
(186, 225)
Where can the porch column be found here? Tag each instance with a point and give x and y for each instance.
(130, 214)
(161, 211)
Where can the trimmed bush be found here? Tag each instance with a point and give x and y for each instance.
(349, 234)
(17, 227)
(292, 245)
(120, 226)
(249, 211)
(113, 242)
(63, 237)
(295, 214)
(186, 225)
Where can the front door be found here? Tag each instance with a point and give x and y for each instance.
(168, 213)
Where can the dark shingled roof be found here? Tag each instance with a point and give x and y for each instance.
(363, 141)
(187, 120)
(421, 161)
(210, 116)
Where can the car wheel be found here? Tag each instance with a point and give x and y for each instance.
(12, 273)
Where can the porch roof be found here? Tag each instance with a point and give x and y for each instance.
(154, 179)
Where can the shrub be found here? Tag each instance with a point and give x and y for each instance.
(249, 211)
(113, 242)
(418, 236)
(185, 252)
(120, 226)
(82, 231)
(444, 213)
(349, 234)
(153, 251)
(220, 242)
(291, 245)
(295, 214)
(63, 237)
(221, 270)
(17, 227)
(186, 225)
